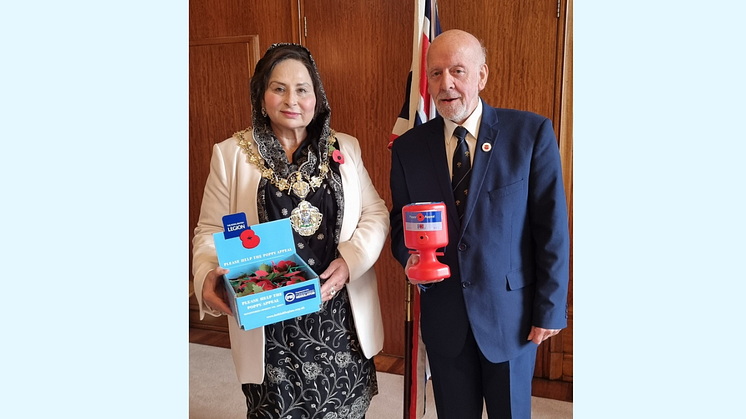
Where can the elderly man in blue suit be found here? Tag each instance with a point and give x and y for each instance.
(508, 249)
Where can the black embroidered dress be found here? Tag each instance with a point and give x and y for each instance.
(315, 367)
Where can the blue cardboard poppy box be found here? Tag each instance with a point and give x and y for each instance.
(268, 282)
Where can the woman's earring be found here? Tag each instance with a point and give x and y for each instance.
(264, 112)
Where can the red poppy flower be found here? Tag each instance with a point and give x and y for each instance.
(338, 157)
(249, 239)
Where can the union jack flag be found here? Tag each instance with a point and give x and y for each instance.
(418, 107)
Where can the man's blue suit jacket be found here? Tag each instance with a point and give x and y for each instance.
(509, 257)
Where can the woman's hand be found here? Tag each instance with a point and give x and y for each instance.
(213, 292)
(335, 276)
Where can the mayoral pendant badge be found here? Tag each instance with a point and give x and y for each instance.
(305, 218)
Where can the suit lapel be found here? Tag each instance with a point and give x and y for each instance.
(488, 132)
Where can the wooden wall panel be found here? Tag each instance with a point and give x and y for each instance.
(363, 51)
(566, 137)
(521, 41)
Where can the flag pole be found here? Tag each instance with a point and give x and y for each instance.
(411, 328)
(408, 335)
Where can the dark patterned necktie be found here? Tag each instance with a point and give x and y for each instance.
(461, 170)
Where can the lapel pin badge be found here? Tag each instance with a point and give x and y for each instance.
(486, 147)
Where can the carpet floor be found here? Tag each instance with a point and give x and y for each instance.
(214, 392)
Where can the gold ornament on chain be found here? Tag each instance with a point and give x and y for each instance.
(304, 218)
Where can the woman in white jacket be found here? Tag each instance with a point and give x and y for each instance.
(318, 365)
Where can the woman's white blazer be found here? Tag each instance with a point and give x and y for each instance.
(231, 188)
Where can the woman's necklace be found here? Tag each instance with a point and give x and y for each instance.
(305, 218)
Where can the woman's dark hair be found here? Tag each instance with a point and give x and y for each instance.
(276, 54)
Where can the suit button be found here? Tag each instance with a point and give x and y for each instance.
(462, 247)
(465, 284)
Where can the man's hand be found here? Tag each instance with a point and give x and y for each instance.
(413, 260)
(538, 335)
